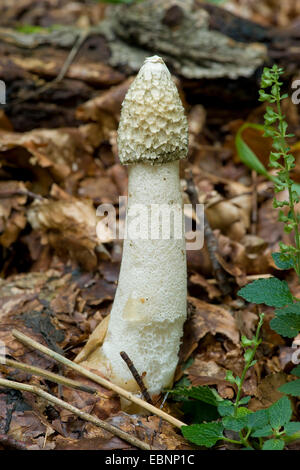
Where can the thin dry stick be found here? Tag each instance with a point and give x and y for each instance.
(92, 419)
(211, 241)
(74, 51)
(68, 62)
(136, 376)
(254, 203)
(59, 379)
(96, 378)
(20, 192)
(160, 420)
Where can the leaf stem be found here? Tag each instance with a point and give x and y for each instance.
(293, 438)
(288, 180)
(248, 363)
(233, 441)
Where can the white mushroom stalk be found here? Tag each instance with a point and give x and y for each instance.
(149, 309)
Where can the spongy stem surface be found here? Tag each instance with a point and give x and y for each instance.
(150, 304)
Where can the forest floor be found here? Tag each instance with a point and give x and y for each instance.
(58, 279)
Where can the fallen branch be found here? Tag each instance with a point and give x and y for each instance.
(85, 416)
(59, 379)
(96, 378)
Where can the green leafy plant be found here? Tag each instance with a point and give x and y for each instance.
(292, 388)
(272, 291)
(282, 160)
(267, 429)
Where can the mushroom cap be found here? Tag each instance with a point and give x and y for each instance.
(153, 127)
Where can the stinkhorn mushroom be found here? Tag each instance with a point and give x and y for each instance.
(149, 309)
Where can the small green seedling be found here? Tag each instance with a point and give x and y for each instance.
(266, 429)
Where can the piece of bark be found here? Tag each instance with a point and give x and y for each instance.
(178, 30)
(215, 53)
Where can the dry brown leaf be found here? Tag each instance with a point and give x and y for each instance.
(214, 319)
(12, 217)
(94, 73)
(206, 318)
(106, 107)
(100, 189)
(60, 151)
(267, 391)
(232, 217)
(103, 442)
(95, 340)
(103, 404)
(69, 227)
(211, 289)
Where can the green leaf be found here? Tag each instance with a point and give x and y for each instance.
(230, 377)
(247, 355)
(296, 188)
(199, 411)
(247, 156)
(273, 444)
(264, 96)
(226, 408)
(246, 341)
(292, 428)
(238, 381)
(281, 262)
(206, 434)
(296, 371)
(184, 382)
(205, 394)
(270, 291)
(263, 432)
(244, 400)
(280, 413)
(282, 328)
(287, 320)
(238, 423)
(234, 424)
(291, 388)
(259, 419)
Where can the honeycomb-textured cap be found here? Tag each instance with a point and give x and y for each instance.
(153, 126)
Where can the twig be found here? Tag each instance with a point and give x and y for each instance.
(136, 376)
(161, 406)
(253, 277)
(250, 277)
(59, 379)
(85, 416)
(71, 56)
(211, 241)
(20, 192)
(96, 378)
(254, 203)
(74, 51)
